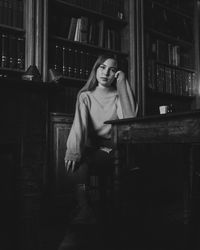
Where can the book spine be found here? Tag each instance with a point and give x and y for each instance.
(21, 13)
(168, 80)
(70, 62)
(12, 51)
(5, 12)
(20, 53)
(64, 61)
(78, 30)
(14, 13)
(87, 65)
(72, 29)
(9, 18)
(93, 33)
(1, 11)
(76, 63)
(4, 50)
(82, 64)
(101, 33)
(84, 30)
(57, 58)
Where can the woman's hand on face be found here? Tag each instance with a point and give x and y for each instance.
(120, 75)
(70, 166)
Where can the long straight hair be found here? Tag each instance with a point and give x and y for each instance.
(92, 80)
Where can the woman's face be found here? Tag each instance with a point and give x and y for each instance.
(105, 73)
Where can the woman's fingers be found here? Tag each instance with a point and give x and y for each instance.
(70, 166)
(67, 165)
(119, 75)
(73, 166)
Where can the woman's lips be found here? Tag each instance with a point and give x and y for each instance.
(104, 78)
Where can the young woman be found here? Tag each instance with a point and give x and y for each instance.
(106, 96)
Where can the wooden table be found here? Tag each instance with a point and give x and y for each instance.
(176, 128)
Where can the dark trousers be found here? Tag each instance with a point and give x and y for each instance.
(96, 163)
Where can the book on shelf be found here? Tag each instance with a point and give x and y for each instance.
(72, 28)
(20, 53)
(84, 29)
(169, 80)
(111, 39)
(161, 51)
(164, 51)
(81, 33)
(14, 13)
(186, 59)
(77, 31)
(76, 63)
(93, 32)
(82, 66)
(4, 50)
(150, 75)
(1, 11)
(58, 57)
(64, 61)
(12, 51)
(5, 12)
(101, 28)
(11, 12)
(160, 78)
(10, 8)
(20, 19)
(71, 61)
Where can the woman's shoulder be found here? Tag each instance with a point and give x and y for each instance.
(85, 96)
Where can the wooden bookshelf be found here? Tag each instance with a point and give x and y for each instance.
(12, 38)
(78, 32)
(169, 55)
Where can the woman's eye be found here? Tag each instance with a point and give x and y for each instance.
(102, 67)
(113, 70)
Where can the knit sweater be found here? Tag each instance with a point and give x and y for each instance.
(93, 108)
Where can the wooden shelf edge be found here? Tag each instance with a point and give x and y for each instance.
(87, 45)
(12, 28)
(93, 12)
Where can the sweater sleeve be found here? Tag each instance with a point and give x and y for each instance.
(127, 99)
(78, 133)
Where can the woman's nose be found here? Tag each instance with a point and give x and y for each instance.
(106, 72)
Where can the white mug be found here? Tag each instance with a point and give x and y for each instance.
(163, 109)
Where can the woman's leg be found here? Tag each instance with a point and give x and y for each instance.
(101, 165)
(84, 213)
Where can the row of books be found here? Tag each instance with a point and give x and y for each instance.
(87, 30)
(168, 22)
(168, 80)
(169, 53)
(12, 51)
(71, 61)
(112, 8)
(11, 12)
